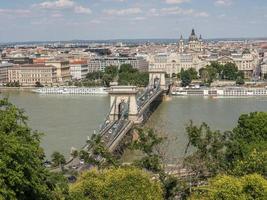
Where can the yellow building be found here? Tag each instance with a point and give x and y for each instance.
(29, 74)
(62, 70)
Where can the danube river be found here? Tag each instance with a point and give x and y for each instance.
(66, 121)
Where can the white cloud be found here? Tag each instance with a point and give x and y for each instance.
(122, 12)
(59, 4)
(82, 10)
(223, 2)
(176, 1)
(64, 4)
(177, 11)
(20, 12)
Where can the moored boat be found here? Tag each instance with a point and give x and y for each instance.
(72, 90)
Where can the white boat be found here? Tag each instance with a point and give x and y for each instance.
(72, 90)
(221, 92)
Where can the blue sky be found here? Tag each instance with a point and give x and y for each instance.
(28, 20)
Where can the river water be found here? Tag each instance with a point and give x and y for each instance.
(66, 121)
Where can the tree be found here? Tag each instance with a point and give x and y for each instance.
(146, 143)
(238, 152)
(38, 84)
(208, 158)
(22, 173)
(112, 71)
(58, 159)
(231, 188)
(240, 81)
(186, 78)
(107, 78)
(255, 162)
(119, 184)
(230, 71)
(99, 154)
(193, 73)
(265, 76)
(219, 68)
(94, 75)
(249, 134)
(208, 74)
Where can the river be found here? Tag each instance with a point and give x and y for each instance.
(66, 121)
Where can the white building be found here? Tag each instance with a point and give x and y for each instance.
(78, 69)
(173, 63)
(100, 63)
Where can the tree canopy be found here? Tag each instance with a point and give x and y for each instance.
(225, 187)
(22, 173)
(118, 184)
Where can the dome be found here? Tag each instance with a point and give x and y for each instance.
(193, 36)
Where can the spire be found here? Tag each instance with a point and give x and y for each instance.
(193, 32)
(200, 37)
(181, 37)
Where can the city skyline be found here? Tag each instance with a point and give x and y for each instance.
(52, 20)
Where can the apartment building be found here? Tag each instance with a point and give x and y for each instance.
(78, 69)
(4, 72)
(62, 70)
(100, 63)
(29, 74)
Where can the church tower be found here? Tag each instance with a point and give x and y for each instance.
(181, 44)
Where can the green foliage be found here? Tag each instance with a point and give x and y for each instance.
(107, 78)
(249, 134)
(116, 184)
(38, 84)
(147, 143)
(238, 152)
(94, 75)
(112, 71)
(215, 70)
(22, 173)
(13, 84)
(100, 155)
(230, 71)
(265, 76)
(208, 74)
(224, 187)
(240, 81)
(130, 76)
(193, 73)
(210, 146)
(186, 77)
(58, 159)
(255, 162)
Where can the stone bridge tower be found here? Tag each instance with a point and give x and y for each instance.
(121, 96)
(157, 75)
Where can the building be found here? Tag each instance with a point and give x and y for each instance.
(29, 74)
(263, 68)
(18, 60)
(246, 61)
(62, 70)
(4, 72)
(78, 69)
(195, 44)
(100, 63)
(173, 63)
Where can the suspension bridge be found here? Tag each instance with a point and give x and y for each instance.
(128, 107)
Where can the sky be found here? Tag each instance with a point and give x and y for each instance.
(51, 20)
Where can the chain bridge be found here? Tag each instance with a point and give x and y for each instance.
(128, 107)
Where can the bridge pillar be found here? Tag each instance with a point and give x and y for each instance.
(119, 96)
(155, 75)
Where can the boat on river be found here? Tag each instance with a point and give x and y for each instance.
(72, 90)
(221, 92)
